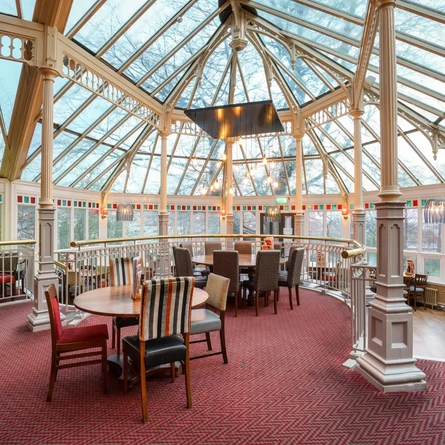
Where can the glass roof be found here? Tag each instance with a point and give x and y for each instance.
(181, 54)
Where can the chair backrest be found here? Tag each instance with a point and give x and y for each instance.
(295, 264)
(211, 246)
(54, 314)
(187, 245)
(243, 247)
(165, 307)
(226, 264)
(121, 271)
(217, 288)
(183, 262)
(420, 281)
(266, 270)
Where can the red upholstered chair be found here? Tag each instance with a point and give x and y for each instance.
(66, 343)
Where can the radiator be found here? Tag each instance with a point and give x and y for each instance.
(431, 296)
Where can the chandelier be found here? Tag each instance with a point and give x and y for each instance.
(434, 212)
(272, 213)
(124, 212)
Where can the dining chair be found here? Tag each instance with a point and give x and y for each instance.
(266, 277)
(66, 343)
(184, 267)
(164, 332)
(243, 247)
(211, 246)
(121, 272)
(226, 264)
(8, 268)
(417, 289)
(291, 277)
(197, 270)
(212, 317)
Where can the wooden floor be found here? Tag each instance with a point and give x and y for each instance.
(429, 334)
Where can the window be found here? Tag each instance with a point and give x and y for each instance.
(315, 223)
(93, 224)
(26, 222)
(133, 228)
(432, 267)
(411, 226)
(63, 227)
(214, 225)
(249, 222)
(114, 227)
(199, 223)
(371, 228)
(151, 223)
(333, 224)
(183, 223)
(80, 216)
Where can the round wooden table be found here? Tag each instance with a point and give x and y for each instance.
(245, 260)
(116, 301)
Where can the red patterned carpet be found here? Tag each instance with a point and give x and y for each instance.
(284, 384)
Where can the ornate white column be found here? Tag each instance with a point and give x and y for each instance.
(299, 214)
(38, 319)
(163, 214)
(389, 363)
(358, 214)
(229, 195)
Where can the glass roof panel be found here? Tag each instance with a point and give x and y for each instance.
(331, 184)
(165, 59)
(143, 29)
(32, 170)
(70, 158)
(310, 35)
(9, 80)
(138, 173)
(70, 103)
(356, 8)
(28, 8)
(8, 7)
(78, 9)
(108, 20)
(314, 175)
(2, 145)
(421, 57)
(91, 166)
(320, 19)
(423, 98)
(89, 115)
(420, 27)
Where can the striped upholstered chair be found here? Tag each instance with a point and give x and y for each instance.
(121, 272)
(164, 331)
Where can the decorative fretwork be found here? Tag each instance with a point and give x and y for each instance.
(17, 48)
(187, 127)
(95, 83)
(329, 114)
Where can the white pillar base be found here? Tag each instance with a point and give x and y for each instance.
(391, 377)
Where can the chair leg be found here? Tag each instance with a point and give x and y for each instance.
(105, 366)
(188, 388)
(118, 341)
(209, 342)
(173, 371)
(236, 303)
(222, 339)
(113, 334)
(257, 303)
(275, 301)
(52, 379)
(125, 361)
(290, 298)
(143, 378)
(297, 291)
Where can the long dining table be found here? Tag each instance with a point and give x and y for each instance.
(116, 301)
(245, 260)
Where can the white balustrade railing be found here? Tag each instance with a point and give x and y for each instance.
(17, 265)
